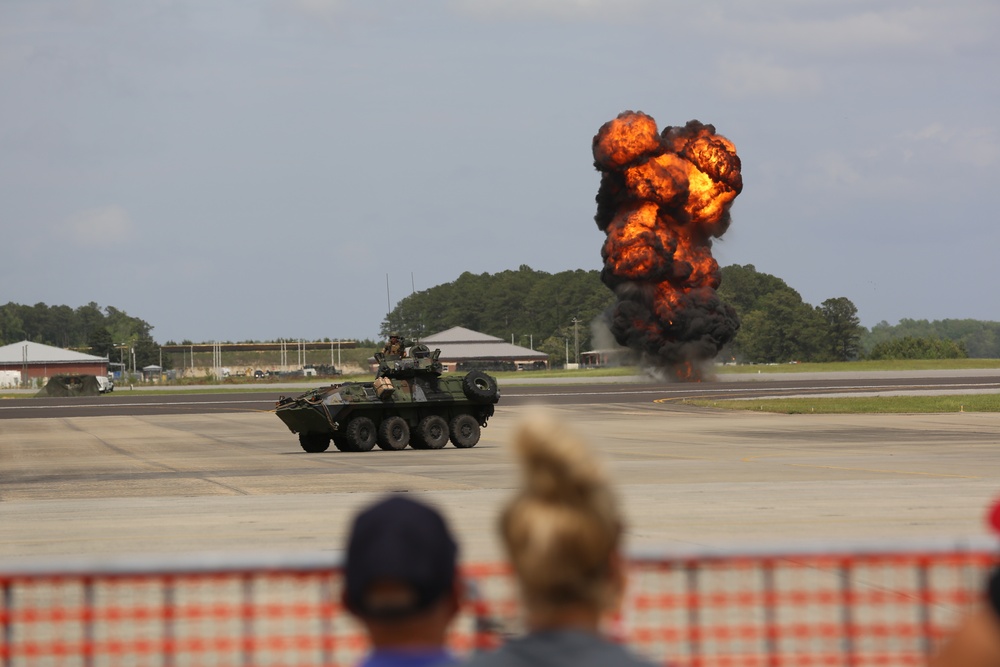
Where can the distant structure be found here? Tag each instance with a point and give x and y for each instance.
(24, 362)
(609, 357)
(463, 350)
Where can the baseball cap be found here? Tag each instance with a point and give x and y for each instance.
(402, 541)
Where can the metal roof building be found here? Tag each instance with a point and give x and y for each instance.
(463, 349)
(26, 361)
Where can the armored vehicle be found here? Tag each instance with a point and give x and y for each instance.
(410, 402)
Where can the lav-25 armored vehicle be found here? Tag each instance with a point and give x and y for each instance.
(410, 402)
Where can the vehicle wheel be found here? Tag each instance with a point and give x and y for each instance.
(416, 442)
(464, 431)
(314, 442)
(393, 433)
(360, 434)
(340, 442)
(432, 432)
(478, 386)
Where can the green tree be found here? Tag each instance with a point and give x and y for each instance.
(781, 328)
(11, 326)
(101, 343)
(555, 347)
(843, 328)
(61, 329)
(525, 304)
(980, 338)
(147, 353)
(743, 287)
(912, 347)
(89, 319)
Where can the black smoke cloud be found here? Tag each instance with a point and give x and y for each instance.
(659, 221)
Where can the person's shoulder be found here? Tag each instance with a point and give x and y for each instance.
(569, 649)
(500, 657)
(604, 652)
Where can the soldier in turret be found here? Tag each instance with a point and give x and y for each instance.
(395, 347)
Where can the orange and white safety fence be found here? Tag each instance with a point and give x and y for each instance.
(857, 605)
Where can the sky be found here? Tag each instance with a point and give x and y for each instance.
(261, 169)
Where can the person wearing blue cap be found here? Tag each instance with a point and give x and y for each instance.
(401, 582)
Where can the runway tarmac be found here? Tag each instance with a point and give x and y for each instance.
(102, 486)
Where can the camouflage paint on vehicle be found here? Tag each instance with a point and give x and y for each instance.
(410, 402)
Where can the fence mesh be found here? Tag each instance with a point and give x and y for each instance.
(763, 610)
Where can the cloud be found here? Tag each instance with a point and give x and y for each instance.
(834, 171)
(552, 9)
(974, 146)
(742, 77)
(107, 225)
(318, 9)
(845, 30)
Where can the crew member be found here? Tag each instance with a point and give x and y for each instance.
(395, 347)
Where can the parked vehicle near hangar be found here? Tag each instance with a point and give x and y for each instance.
(410, 403)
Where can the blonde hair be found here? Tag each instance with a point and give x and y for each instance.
(562, 529)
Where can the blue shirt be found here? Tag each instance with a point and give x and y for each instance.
(413, 658)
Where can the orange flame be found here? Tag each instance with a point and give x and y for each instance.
(663, 197)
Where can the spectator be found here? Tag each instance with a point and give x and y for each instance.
(976, 643)
(401, 583)
(562, 533)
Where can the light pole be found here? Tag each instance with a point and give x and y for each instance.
(576, 340)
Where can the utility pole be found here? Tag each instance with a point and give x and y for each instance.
(576, 339)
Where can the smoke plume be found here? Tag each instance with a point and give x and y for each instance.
(663, 198)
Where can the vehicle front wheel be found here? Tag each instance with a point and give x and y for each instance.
(464, 431)
(393, 433)
(314, 443)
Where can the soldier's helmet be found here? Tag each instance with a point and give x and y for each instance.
(394, 334)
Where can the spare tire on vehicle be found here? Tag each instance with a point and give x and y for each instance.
(480, 387)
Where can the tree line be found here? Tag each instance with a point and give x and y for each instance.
(554, 313)
(104, 332)
(526, 307)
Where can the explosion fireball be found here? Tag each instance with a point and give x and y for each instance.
(663, 198)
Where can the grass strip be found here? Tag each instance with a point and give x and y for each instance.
(860, 366)
(858, 404)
